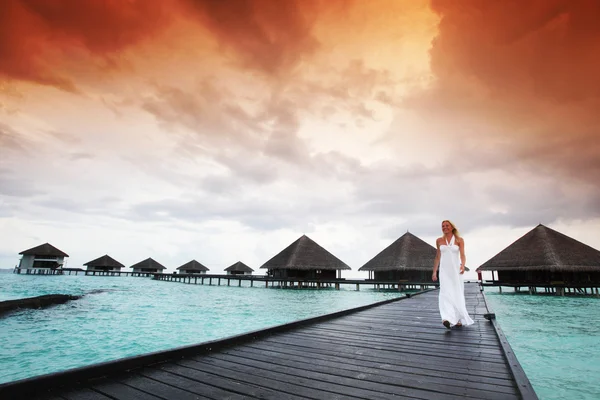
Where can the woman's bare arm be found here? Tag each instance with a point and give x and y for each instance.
(436, 263)
(463, 257)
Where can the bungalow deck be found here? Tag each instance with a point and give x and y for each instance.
(292, 283)
(395, 349)
(558, 288)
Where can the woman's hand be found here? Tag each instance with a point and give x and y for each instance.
(462, 269)
(434, 277)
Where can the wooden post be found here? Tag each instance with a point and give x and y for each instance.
(266, 284)
(251, 282)
(357, 287)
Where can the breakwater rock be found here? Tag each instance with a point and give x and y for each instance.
(35, 302)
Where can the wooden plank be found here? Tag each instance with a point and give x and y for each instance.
(193, 386)
(430, 346)
(398, 359)
(343, 360)
(402, 320)
(441, 337)
(46, 397)
(120, 391)
(457, 344)
(322, 381)
(433, 350)
(378, 366)
(160, 389)
(256, 387)
(283, 384)
(410, 380)
(421, 306)
(415, 330)
(423, 325)
(407, 344)
(83, 394)
(399, 316)
(434, 361)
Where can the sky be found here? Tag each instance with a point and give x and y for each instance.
(224, 130)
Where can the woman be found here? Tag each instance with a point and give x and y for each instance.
(450, 259)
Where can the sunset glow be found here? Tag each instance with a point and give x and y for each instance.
(224, 130)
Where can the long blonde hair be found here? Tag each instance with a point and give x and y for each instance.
(455, 231)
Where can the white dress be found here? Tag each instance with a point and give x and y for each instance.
(452, 288)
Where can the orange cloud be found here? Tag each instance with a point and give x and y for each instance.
(551, 47)
(520, 79)
(266, 35)
(36, 34)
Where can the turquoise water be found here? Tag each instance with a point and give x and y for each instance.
(140, 315)
(556, 340)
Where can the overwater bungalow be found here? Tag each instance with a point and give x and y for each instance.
(305, 259)
(239, 268)
(408, 259)
(544, 257)
(105, 264)
(44, 259)
(192, 267)
(148, 266)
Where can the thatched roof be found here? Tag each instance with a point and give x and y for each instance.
(543, 248)
(193, 266)
(305, 254)
(45, 249)
(104, 261)
(239, 266)
(408, 252)
(148, 263)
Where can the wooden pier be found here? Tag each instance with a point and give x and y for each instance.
(290, 283)
(118, 273)
(395, 349)
(77, 271)
(558, 288)
(38, 271)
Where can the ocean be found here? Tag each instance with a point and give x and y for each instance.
(555, 338)
(132, 316)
